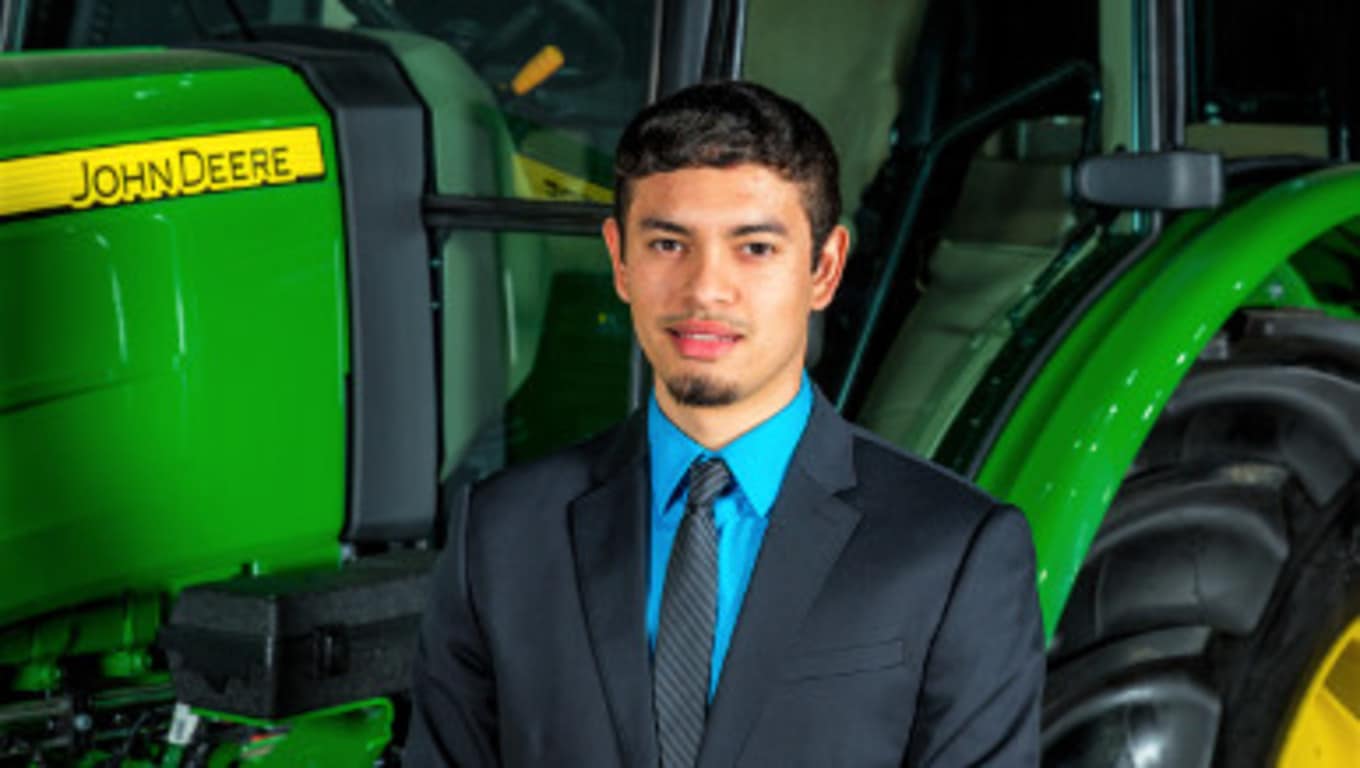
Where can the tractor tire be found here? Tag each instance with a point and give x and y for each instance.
(1228, 563)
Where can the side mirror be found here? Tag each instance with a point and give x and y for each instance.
(1174, 180)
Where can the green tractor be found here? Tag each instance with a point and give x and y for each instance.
(279, 279)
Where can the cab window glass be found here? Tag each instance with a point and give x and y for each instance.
(562, 76)
(994, 231)
(1263, 82)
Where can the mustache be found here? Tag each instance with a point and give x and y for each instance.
(734, 323)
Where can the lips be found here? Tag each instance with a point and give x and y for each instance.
(703, 339)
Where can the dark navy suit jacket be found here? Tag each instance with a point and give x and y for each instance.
(891, 619)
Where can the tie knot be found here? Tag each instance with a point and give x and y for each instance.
(708, 478)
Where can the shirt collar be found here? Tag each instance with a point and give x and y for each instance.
(758, 459)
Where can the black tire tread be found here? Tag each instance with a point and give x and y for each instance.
(1238, 517)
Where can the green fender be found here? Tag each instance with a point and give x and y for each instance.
(1066, 449)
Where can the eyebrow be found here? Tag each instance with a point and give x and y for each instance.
(763, 227)
(760, 227)
(664, 225)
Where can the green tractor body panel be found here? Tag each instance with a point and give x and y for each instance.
(191, 420)
(117, 632)
(1065, 451)
(351, 735)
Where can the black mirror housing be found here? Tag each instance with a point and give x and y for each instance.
(1174, 180)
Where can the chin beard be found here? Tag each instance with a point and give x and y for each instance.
(701, 392)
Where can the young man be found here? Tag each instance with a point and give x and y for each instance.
(734, 576)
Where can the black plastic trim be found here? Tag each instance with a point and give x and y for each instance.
(1176, 179)
(393, 411)
(685, 30)
(723, 57)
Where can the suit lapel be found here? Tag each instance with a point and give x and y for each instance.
(809, 528)
(610, 541)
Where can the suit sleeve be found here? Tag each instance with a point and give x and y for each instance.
(453, 715)
(984, 675)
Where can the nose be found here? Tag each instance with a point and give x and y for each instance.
(712, 277)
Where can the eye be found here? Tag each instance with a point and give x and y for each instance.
(666, 245)
(758, 249)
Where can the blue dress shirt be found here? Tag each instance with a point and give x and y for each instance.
(758, 460)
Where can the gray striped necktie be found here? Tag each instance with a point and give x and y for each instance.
(684, 634)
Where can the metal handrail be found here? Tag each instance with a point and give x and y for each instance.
(512, 214)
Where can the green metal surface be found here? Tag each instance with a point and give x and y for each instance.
(65, 67)
(172, 373)
(1065, 451)
(1284, 287)
(350, 735)
(121, 629)
(1327, 268)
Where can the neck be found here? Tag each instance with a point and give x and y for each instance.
(714, 427)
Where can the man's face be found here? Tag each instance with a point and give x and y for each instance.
(718, 274)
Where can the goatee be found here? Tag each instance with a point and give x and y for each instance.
(701, 392)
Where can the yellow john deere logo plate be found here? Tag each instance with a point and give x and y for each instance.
(151, 170)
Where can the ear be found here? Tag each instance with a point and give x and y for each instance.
(613, 240)
(827, 276)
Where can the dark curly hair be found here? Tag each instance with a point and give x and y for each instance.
(721, 124)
